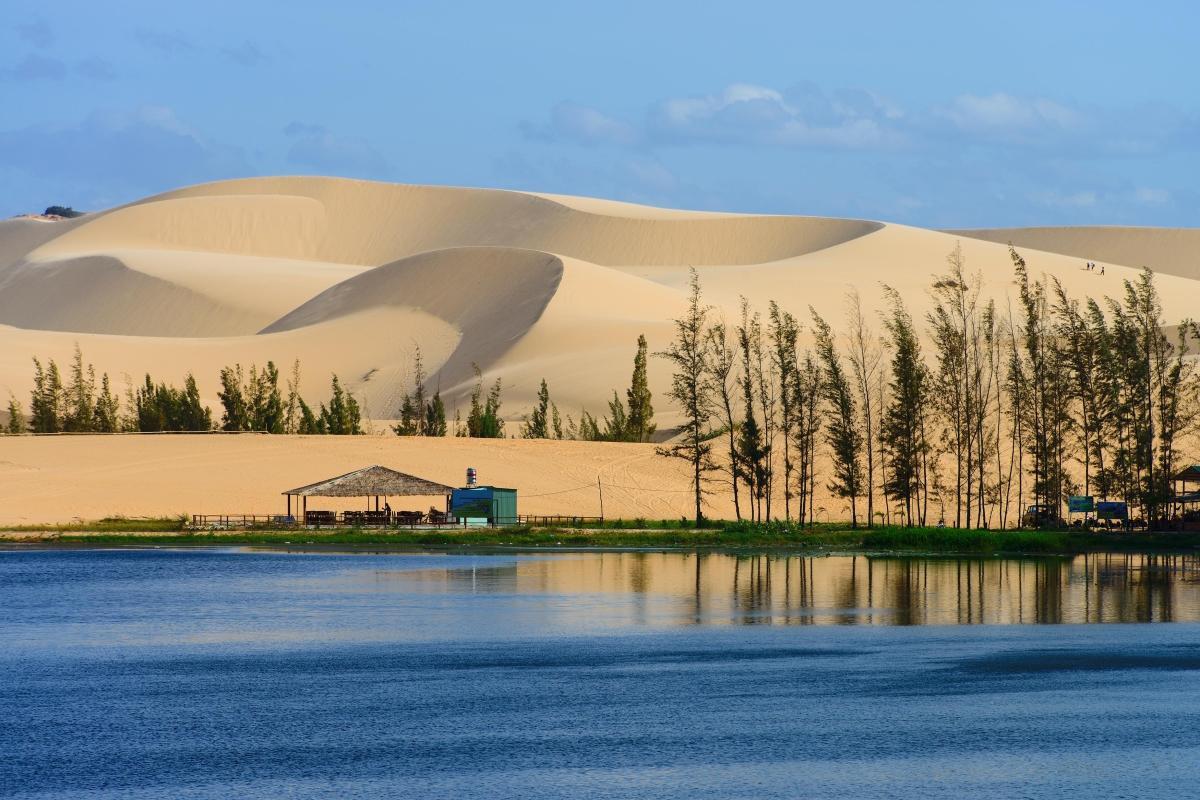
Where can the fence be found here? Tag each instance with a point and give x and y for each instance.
(360, 519)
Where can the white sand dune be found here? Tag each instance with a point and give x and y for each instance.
(1170, 251)
(350, 277)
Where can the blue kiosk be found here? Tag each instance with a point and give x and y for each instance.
(483, 505)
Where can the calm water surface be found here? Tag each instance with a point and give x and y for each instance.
(236, 673)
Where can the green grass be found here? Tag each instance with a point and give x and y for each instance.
(110, 524)
(628, 534)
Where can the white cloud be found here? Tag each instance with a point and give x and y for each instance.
(317, 149)
(37, 32)
(581, 125)
(95, 68)
(36, 67)
(1151, 197)
(168, 42)
(1005, 113)
(248, 54)
(129, 152)
(802, 116)
(1058, 199)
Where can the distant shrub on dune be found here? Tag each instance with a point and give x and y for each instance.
(62, 211)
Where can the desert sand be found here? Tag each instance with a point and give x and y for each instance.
(350, 277)
(47, 479)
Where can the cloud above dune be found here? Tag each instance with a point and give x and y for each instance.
(806, 117)
(36, 32)
(37, 67)
(129, 152)
(166, 42)
(247, 54)
(801, 116)
(581, 125)
(322, 151)
(740, 114)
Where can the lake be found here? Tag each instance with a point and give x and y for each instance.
(216, 673)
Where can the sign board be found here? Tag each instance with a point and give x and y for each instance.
(1081, 504)
(1112, 510)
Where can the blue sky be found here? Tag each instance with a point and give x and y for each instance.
(933, 114)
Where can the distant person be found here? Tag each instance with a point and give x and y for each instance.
(1101, 269)
(387, 509)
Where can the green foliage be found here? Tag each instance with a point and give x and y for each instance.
(483, 420)
(307, 423)
(62, 211)
(418, 416)
(108, 409)
(904, 416)
(342, 417)
(16, 417)
(692, 390)
(159, 407)
(435, 416)
(48, 402)
(842, 433)
(639, 425)
(235, 416)
(536, 425)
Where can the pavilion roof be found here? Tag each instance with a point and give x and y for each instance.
(374, 481)
(1190, 473)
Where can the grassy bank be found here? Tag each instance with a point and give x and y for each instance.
(661, 534)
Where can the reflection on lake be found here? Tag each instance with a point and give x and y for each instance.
(850, 590)
(217, 673)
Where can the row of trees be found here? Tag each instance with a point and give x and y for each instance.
(629, 420)
(251, 400)
(1054, 398)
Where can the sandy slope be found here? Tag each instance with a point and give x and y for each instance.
(1170, 251)
(53, 479)
(352, 276)
(534, 286)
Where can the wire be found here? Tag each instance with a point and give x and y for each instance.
(610, 486)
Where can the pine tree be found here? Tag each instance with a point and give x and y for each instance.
(435, 416)
(307, 423)
(292, 409)
(616, 424)
(785, 332)
(753, 453)
(151, 410)
(235, 416)
(193, 415)
(47, 403)
(557, 423)
(407, 426)
(267, 409)
(721, 361)
(843, 434)
(903, 417)
(343, 416)
(80, 396)
(16, 417)
(691, 388)
(108, 408)
(864, 356)
(483, 421)
(639, 425)
(536, 422)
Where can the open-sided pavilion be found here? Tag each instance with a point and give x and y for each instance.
(372, 484)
